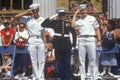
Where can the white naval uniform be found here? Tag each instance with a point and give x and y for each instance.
(87, 26)
(36, 46)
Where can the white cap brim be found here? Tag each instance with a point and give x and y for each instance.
(61, 11)
(34, 6)
(82, 6)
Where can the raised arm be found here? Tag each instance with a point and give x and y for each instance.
(20, 14)
(48, 22)
(74, 17)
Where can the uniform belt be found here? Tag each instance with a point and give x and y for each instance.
(36, 36)
(86, 36)
(65, 35)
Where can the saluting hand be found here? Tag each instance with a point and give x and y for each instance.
(54, 16)
(77, 11)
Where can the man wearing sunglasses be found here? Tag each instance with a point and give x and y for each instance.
(89, 34)
(35, 42)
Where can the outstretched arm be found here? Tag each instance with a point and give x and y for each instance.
(20, 14)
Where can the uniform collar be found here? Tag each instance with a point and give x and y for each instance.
(85, 17)
(39, 19)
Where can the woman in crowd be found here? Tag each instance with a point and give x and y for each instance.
(21, 36)
(7, 35)
(108, 60)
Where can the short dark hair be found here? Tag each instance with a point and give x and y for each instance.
(7, 54)
(6, 23)
(22, 23)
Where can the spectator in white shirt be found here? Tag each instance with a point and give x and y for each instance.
(21, 36)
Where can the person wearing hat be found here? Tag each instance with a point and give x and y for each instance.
(89, 34)
(61, 41)
(36, 45)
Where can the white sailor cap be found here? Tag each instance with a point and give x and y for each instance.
(82, 6)
(34, 6)
(61, 10)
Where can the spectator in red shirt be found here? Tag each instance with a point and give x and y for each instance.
(7, 35)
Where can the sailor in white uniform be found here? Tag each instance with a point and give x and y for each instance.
(89, 33)
(35, 42)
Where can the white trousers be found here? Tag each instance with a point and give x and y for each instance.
(85, 46)
(37, 54)
(97, 64)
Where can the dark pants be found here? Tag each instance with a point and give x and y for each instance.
(63, 58)
(22, 62)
